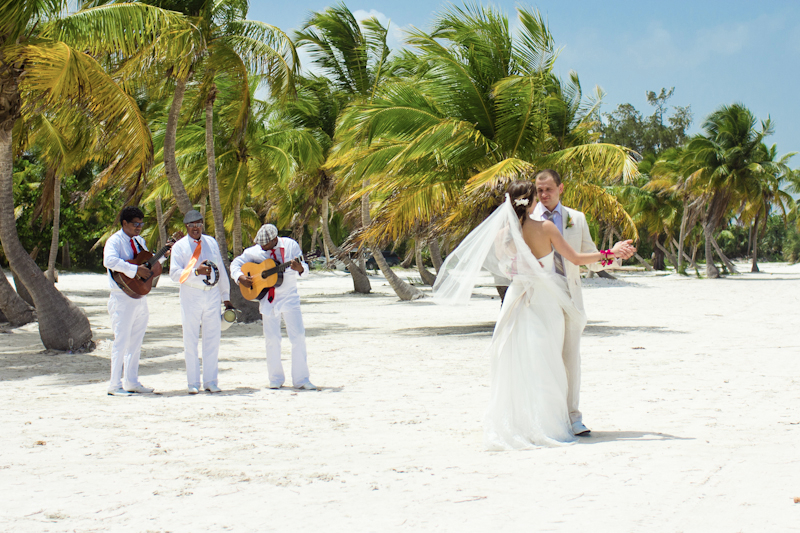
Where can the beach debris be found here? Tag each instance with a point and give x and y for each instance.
(40, 443)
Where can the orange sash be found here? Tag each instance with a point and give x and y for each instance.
(195, 256)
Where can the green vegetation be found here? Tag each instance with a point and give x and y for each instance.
(181, 104)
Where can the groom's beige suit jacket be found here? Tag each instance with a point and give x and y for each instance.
(576, 233)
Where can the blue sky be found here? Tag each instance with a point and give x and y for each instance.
(713, 52)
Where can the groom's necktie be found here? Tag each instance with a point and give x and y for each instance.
(557, 259)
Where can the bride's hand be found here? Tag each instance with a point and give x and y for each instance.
(623, 249)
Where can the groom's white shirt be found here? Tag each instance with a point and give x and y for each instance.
(575, 229)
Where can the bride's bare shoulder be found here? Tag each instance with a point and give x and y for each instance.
(537, 225)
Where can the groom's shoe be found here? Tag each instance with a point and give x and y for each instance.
(579, 430)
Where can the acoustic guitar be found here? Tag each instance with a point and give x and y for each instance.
(266, 275)
(137, 287)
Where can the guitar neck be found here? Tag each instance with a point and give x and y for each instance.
(283, 266)
(159, 254)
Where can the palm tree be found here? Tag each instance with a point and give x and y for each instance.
(725, 163)
(12, 306)
(317, 108)
(56, 54)
(65, 143)
(770, 194)
(225, 46)
(477, 109)
(354, 56)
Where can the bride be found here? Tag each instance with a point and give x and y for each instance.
(528, 404)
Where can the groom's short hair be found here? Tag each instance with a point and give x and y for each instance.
(549, 173)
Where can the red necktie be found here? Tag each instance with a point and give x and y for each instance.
(133, 247)
(271, 291)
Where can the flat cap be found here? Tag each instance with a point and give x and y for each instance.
(192, 216)
(266, 233)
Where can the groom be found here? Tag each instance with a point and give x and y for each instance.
(572, 225)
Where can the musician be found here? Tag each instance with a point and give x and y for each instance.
(200, 299)
(279, 301)
(128, 315)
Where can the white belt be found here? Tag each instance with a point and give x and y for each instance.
(202, 287)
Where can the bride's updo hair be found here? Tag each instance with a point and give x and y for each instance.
(521, 190)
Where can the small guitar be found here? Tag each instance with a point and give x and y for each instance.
(137, 287)
(265, 275)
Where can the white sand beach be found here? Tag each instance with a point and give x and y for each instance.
(691, 388)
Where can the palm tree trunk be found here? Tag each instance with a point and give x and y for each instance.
(237, 226)
(682, 235)
(66, 261)
(162, 232)
(724, 258)
(666, 253)
(436, 253)
(365, 220)
(249, 310)
(51, 261)
(754, 233)
(314, 245)
(401, 288)
(684, 254)
(693, 262)
(327, 252)
(711, 270)
(361, 282)
(170, 165)
(658, 255)
(427, 277)
(20, 288)
(16, 310)
(62, 325)
(647, 266)
(409, 258)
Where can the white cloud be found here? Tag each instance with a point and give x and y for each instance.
(661, 49)
(396, 34)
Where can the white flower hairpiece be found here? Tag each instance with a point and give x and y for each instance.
(521, 201)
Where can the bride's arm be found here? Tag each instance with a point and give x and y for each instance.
(577, 258)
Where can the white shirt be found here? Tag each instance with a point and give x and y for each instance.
(116, 254)
(558, 215)
(182, 252)
(285, 295)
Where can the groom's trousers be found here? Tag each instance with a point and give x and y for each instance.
(571, 353)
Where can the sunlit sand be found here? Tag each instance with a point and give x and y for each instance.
(690, 387)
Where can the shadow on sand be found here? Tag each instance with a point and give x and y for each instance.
(596, 437)
(484, 329)
(238, 391)
(594, 329)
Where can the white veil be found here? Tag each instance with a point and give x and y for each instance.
(493, 254)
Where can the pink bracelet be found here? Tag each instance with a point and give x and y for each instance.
(608, 259)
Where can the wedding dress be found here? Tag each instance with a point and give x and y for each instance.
(528, 404)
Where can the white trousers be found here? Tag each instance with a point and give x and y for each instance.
(128, 322)
(296, 332)
(572, 362)
(201, 308)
